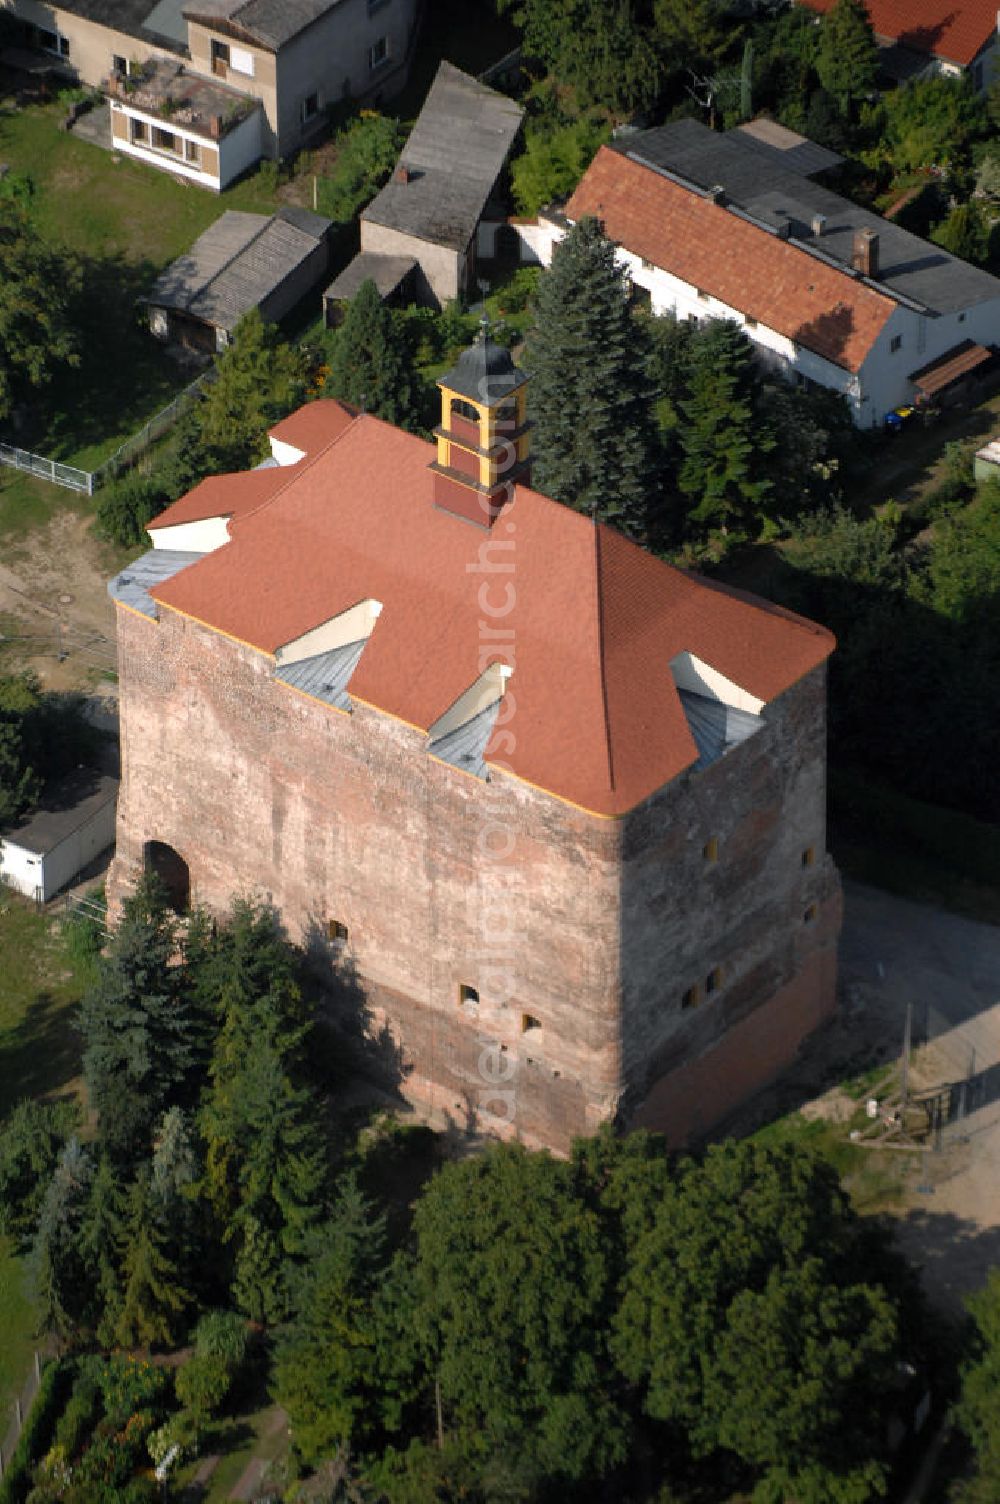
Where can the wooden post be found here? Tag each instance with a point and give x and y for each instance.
(17, 1415)
(38, 1367)
(440, 1418)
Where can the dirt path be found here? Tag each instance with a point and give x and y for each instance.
(53, 595)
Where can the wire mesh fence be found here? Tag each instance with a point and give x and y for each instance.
(89, 481)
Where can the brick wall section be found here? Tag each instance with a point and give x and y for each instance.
(594, 927)
(346, 817)
(764, 805)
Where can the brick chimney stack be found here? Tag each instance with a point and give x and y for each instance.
(864, 252)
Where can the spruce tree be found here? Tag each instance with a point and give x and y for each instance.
(136, 1026)
(100, 1240)
(265, 1149)
(369, 364)
(325, 1360)
(154, 1297)
(847, 60)
(58, 1255)
(590, 399)
(721, 440)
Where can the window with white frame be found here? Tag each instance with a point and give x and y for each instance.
(378, 54)
(241, 61)
(192, 152)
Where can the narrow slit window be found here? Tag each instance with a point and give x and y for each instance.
(714, 980)
(529, 1022)
(336, 932)
(710, 850)
(809, 856)
(467, 994)
(810, 914)
(691, 997)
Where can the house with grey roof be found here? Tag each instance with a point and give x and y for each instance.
(204, 88)
(73, 824)
(241, 262)
(421, 233)
(741, 226)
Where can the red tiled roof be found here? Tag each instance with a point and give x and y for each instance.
(314, 425)
(222, 496)
(309, 428)
(955, 30)
(595, 620)
(745, 267)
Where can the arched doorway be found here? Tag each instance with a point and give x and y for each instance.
(172, 870)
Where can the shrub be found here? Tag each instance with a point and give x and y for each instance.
(37, 1432)
(366, 152)
(85, 1404)
(222, 1335)
(126, 505)
(129, 1385)
(202, 1385)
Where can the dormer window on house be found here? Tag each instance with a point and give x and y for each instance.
(321, 662)
(463, 733)
(719, 713)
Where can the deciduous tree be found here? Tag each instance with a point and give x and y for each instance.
(37, 287)
(260, 378)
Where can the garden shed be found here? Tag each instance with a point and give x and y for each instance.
(74, 823)
(241, 262)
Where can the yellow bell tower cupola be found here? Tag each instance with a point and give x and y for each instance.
(483, 439)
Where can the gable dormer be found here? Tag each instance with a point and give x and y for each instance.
(321, 662)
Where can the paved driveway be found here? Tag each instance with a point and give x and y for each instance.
(894, 952)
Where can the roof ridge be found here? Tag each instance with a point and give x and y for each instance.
(300, 468)
(602, 667)
(203, 289)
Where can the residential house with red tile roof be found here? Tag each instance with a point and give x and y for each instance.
(558, 807)
(933, 36)
(736, 226)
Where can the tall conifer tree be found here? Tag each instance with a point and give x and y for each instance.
(721, 439)
(369, 364)
(590, 397)
(136, 1026)
(847, 61)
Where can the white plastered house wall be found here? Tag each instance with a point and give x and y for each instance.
(880, 384)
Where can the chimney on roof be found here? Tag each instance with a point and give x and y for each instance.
(717, 193)
(215, 126)
(864, 252)
(402, 174)
(818, 224)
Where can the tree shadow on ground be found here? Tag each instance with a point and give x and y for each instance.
(40, 1056)
(952, 1253)
(124, 376)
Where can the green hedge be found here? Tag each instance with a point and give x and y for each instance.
(36, 1435)
(902, 828)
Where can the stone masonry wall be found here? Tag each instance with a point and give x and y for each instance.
(440, 878)
(592, 928)
(727, 889)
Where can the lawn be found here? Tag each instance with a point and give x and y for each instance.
(126, 222)
(17, 1323)
(28, 504)
(39, 1054)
